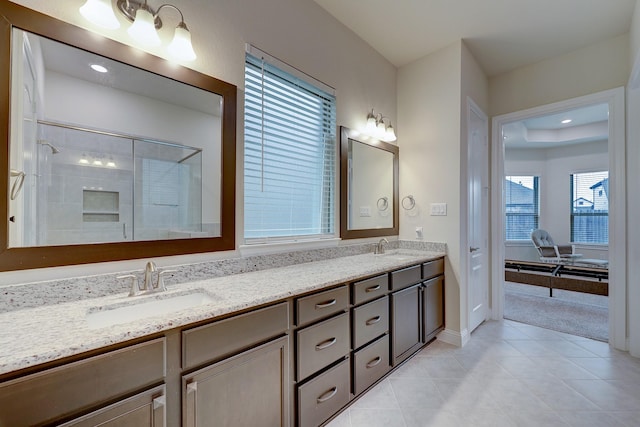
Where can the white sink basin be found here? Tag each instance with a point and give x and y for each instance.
(396, 255)
(102, 317)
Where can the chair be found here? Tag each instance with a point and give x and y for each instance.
(550, 252)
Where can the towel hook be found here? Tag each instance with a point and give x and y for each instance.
(410, 202)
(383, 203)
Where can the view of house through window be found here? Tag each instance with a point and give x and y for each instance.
(289, 153)
(590, 207)
(522, 206)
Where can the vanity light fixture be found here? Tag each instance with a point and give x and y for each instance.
(146, 23)
(378, 128)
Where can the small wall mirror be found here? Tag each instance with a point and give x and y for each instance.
(110, 151)
(369, 186)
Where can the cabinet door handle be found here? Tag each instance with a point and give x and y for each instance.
(327, 395)
(326, 303)
(373, 320)
(372, 288)
(326, 344)
(192, 391)
(159, 405)
(374, 362)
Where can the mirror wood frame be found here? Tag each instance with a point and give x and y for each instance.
(345, 233)
(20, 258)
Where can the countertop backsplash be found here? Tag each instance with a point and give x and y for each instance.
(29, 295)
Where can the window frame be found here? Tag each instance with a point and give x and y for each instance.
(536, 214)
(326, 159)
(573, 214)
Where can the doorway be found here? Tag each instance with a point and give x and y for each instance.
(614, 103)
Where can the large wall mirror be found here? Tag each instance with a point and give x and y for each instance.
(110, 153)
(369, 186)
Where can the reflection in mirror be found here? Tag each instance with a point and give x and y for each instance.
(110, 155)
(370, 186)
(135, 162)
(369, 195)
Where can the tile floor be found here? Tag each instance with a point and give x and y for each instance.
(509, 374)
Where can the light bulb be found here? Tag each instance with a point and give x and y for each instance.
(371, 123)
(390, 135)
(100, 13)
(180, 47)
(143, 29)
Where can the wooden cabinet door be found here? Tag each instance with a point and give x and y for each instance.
(144, 409)
(406, 322)
(249, 389)
(433, 307)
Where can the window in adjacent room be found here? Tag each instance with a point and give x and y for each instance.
(522, 206)
(590, 207)
(289, 152)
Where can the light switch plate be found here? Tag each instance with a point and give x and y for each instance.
(438, 209)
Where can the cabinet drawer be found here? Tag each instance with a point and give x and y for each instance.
(370, 321)
(322, 344)
(321, 305)
(370, 364)
(226, 337)
(405, 277)
(369, 289)
(60, 392)
(324, 396)
(432, 268)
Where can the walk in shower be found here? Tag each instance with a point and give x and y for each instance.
(89, 186)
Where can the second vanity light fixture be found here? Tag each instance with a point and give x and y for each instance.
(377, 128)
(146, 23)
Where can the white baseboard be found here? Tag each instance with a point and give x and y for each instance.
(459, 339)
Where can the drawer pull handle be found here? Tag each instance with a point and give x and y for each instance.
(373, 320)
(372, 288)
(327, 395)
(326, 304)
(374, 362)
(326, 344)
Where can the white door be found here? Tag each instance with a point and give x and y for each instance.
(478, 215)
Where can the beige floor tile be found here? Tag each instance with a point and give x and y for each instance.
(508, 375)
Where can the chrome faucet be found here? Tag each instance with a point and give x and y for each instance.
(147, 285)
(379, 249)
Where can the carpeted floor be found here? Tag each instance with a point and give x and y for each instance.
(570, 312)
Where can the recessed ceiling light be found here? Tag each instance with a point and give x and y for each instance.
(98, 68)
(565, 121)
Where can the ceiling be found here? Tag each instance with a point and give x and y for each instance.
(587, 124)
(501, 34)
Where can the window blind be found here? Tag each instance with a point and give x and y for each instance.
(522, 206)
(590, 207)
(289, 154)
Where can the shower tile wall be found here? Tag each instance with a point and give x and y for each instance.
(69, 178)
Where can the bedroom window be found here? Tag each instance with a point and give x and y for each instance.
(590, 207)
(522, 206)
(289, 152)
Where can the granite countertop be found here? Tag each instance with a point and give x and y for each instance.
(37, 335)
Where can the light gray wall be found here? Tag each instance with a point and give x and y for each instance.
(594, 68)
(432, 94)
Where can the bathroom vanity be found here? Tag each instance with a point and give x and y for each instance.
(288, 346)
